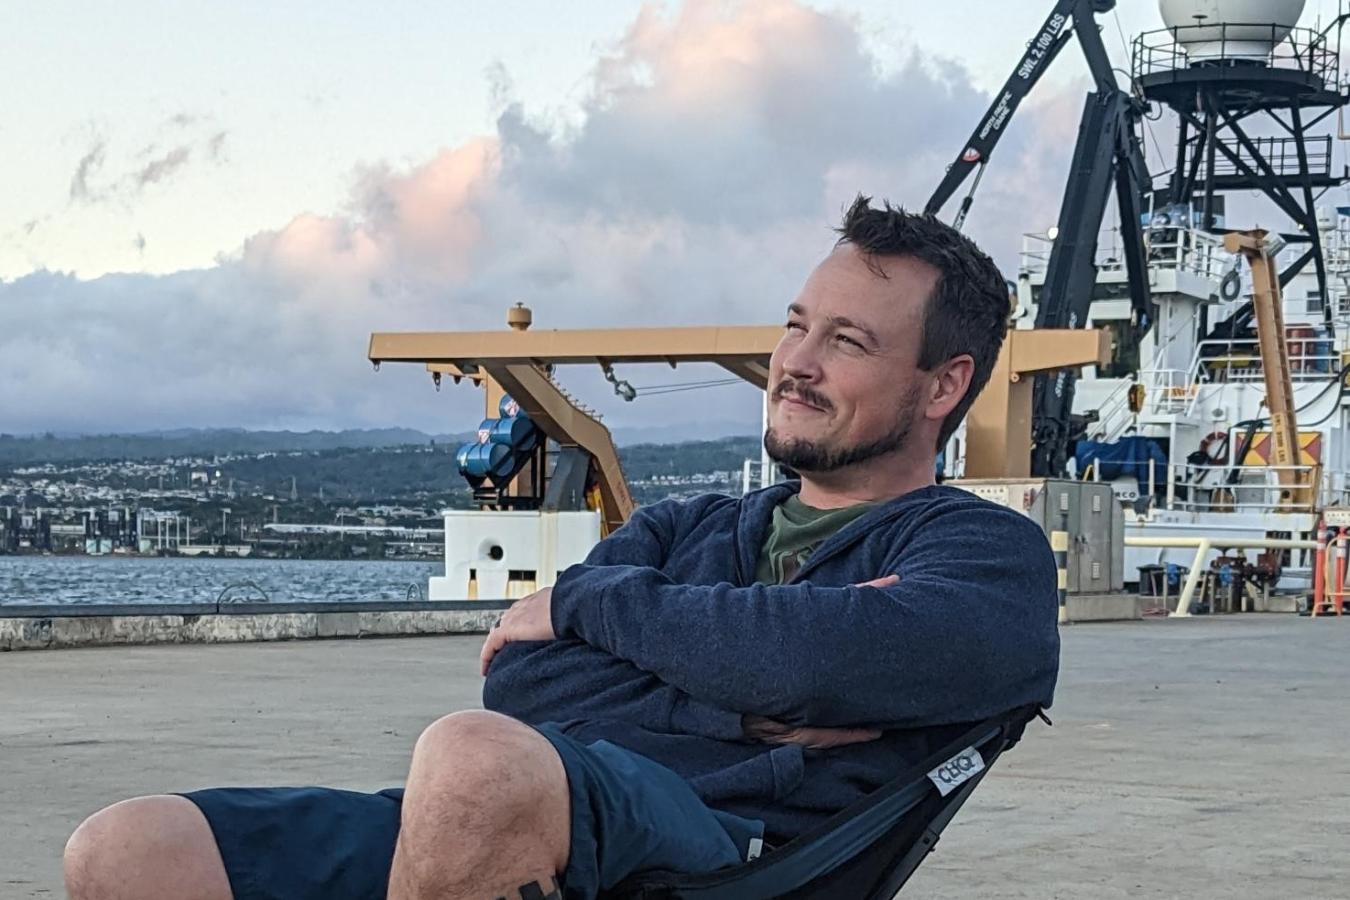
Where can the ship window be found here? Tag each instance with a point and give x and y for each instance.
(1124, 349)
(1315, 303)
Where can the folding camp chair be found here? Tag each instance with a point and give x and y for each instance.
(865, 852)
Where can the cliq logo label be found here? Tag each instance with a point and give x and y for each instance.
(957, 771)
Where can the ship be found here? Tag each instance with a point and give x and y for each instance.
(1179, 420)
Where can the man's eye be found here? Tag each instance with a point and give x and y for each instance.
(848, 340)
(796, 325)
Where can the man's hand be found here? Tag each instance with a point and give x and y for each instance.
(529, 619)
(770, 731)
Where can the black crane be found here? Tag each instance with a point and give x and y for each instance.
(1107, 157)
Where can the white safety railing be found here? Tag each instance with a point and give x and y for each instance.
(1168, 391)
(755, 474)
(1181, 248)
(1312, 357)
(1114, 416)
(1258, 489)
(1188, 250)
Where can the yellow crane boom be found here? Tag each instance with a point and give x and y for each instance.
(1295, 487)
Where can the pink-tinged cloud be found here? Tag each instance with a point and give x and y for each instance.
(714, 148)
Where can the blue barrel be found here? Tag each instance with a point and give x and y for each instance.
(512, 432)
(518, 433)
(505, 463)
(508, 408)
(485, 460)
(1324, 353)
(462, 456)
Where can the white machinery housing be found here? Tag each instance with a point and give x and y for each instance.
(507, 555)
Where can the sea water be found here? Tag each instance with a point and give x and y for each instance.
(124, 579)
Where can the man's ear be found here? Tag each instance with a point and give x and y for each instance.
(950, 382)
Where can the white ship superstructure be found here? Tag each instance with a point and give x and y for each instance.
(1194, 383)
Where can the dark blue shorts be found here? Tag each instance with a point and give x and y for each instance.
(629, 814)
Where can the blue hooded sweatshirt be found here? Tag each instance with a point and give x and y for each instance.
(665, 642)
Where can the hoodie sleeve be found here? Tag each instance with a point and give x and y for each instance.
(969, 631)
(554, 681)
(644, 540)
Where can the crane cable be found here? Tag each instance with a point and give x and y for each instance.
(655, 390)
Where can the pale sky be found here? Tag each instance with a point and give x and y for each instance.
(297, 95)
(208, 207)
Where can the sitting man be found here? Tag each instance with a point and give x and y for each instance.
(721, 673)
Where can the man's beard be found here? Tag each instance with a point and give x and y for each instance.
(816, 457)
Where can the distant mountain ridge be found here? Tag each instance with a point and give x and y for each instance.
(37, 449)
(180, 442)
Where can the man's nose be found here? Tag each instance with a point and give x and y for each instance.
(801, 359)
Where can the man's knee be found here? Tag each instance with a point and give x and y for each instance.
(479, 750)
(148, 847)
(491, 769)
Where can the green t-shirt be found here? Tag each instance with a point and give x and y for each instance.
(796, 532)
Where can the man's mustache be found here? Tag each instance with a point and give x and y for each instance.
(800, 391)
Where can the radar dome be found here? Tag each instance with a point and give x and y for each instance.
(1230, 29)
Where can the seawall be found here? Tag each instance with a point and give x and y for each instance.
(52, 626)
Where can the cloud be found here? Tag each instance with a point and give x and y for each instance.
(713, 149)
(215, 146)
(162, 167)
(148, 166)
(89, 164)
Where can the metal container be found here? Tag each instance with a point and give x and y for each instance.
(1087, 510)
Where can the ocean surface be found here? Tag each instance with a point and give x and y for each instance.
(122, 579)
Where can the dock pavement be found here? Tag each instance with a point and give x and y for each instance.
(1200, 758)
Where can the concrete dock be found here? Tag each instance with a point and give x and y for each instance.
(57, 627)
(1200, 758)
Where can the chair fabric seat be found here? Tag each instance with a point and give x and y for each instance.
(865, 852)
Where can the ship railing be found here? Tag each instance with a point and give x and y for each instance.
(1282, 155)
(754, 475)
(1228, 44)
(1035, 256)
(1181, 248)
(1257, 489)
(1187, 249)
(1168, 391)
(1336, 241)
(1114, 416)
(1312, 357)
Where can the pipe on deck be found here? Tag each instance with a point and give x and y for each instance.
(1202, 547)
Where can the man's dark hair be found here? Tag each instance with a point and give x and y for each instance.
(967, 313)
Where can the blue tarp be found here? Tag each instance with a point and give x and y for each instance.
(1127, 456)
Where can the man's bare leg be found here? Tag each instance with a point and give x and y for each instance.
(149, 848)
(486, 813)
